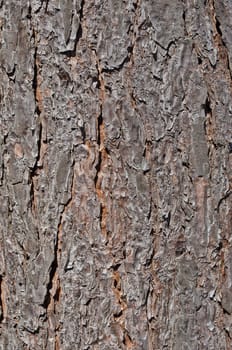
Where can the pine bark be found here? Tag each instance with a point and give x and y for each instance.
(115, 174)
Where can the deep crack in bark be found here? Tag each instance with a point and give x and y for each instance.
(2, 300)
(221, 46)
(102, 152)
(219, 32)
(39, 111)
(53, 295)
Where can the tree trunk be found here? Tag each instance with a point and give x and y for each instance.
(116, 155)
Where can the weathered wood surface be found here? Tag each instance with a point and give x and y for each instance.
(116, 153)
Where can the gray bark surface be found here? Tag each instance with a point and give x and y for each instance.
(115, 174)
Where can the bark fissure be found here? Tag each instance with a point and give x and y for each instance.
(223, 56)
(227, 194)
(102, 152)
(184, 18)
(219, 34)
(3, 165)
(46, 2)
(81, 16)
(2, 300)
(35, 76)
(54, 288)
(134, 32)
(41, 6)
(41, 134)
(209, 124)
(34, 173)
(135, 28)
(99, 185)
(119, 317)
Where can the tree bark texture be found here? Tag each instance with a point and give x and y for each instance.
(115, 170)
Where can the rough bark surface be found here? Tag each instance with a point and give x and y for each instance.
(115, 174)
